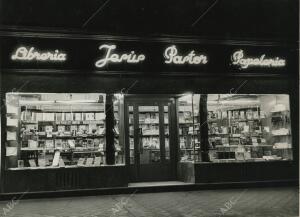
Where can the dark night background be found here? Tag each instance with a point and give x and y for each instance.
(267, 20)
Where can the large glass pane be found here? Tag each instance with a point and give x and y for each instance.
(55, 130)
(187, 133)
(249, 127)
(148, 138)
(118, 140)
(131, 135)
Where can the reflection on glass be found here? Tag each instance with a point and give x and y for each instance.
(119, 148)
(149, 144)
(131, 135)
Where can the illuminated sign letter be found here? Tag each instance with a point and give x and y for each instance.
(131, 57)
(238, 58)
(31, 54)
(171, 56)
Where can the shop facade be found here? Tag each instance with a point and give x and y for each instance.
(91, 111)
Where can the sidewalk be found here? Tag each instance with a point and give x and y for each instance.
(261, 202)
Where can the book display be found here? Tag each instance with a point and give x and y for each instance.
(240, 127)
(247, 128)
(58, 130)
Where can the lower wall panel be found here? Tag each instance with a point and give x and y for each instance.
(186, 172)
(246, 172)
(65, 179)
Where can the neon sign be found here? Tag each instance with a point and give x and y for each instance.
(171, 56)
(131, 57)
(239, 59)
(30, 54)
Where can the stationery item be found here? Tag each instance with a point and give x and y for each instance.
(48, 130)
(32, 163)
(61, 129)
(48, 116)
(10, 109)
(89, 161)
(249, 114)
(90, 116)
(11, 136)
(255, 114)
(11, 122)
(100, 116)
(61, 162)
(239, 156)
(69, 116)
(242, 115)
(97, 161)
(39, 116)
(101, 130)
(246, 129)
(224, 114)
(71, 143)
(41, 162)
(247, 155)
(92, 128)
(82, 128)
(281, 131)
(58, 116)
(20, 163)
(282, 145)
(11, 151)
(90, 143)
(267, 129)
(58, 144)
(32, 144)
(49, 144)
(78, 116)
(56, 158)
(80, 162)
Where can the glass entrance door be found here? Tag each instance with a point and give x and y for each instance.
(149, 139)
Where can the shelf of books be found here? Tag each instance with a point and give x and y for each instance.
(52, 133)
(188, 125)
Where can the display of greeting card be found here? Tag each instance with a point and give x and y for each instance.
(49, 144)
(56, 158)
(80, 162)
(97, 161)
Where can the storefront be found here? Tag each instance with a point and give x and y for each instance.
(84, 112)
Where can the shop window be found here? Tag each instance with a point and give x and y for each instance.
(240, 128)
(56, 130)
(249, 127)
